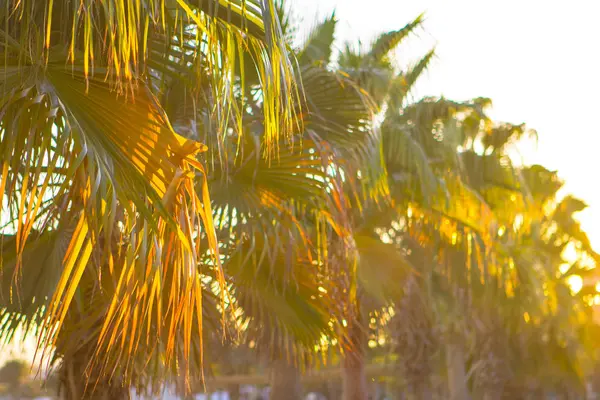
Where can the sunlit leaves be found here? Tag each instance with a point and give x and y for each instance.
(87, 151)
(281, 295)
(116, 168)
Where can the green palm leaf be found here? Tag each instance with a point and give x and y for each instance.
(318, 47)
(289, 310)
(405, 81)
(389, 40)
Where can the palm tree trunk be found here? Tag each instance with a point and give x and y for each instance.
(457, 377)
(233, 391)
(354, 378)
(419, 392)
(285, 381)
(492, 395)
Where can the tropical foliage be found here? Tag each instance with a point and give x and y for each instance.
(188, 189)
(105, 209)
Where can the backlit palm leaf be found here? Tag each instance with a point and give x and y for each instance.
(112, 36)
(319, 46)
(390, 40)
(405, 81)
(289, 309)
(373, 71)
(136, 161)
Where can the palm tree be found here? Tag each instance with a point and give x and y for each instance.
(268, 211)
(519, 274)
(548, 324)
(378, 267)
(102, 223)
(448, 236)
(337, 143)
(276, 215)
(320, 219)
(484, 282)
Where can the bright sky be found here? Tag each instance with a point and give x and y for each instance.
(538, 60)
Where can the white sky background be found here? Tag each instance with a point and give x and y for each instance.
(539, 62)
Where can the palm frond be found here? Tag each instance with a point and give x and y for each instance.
(499, 136)
(374, 71)
(339, 112)
(113, 37)
(41, 258)
(388, 41)
(542, 183)
(110, 160)
(381, 270)
(340, 119)
(405, 81)
(569, 226)
(288, 309)
(319, 45)
(492, 170)
(406, 159)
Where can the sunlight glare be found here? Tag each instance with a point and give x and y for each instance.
(575, 283)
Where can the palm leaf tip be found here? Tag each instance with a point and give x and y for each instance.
(404, 82)
(390, 40)
(319, 45)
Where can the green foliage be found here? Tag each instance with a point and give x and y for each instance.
(319, 46)
(301, 222)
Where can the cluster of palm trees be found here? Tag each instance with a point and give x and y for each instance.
(181, 184)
